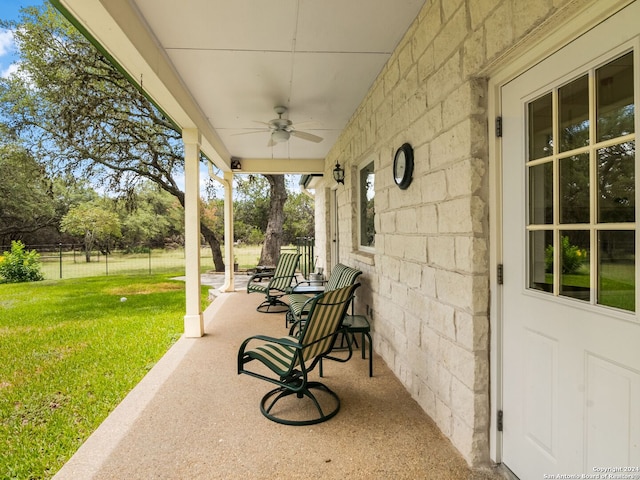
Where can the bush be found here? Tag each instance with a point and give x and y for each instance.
(20, 266)
(572, 257)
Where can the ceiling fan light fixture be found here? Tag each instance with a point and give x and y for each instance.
(280, 136)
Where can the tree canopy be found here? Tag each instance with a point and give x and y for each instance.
(69, 113)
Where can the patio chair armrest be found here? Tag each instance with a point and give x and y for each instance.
(260, 276)
(287, 342)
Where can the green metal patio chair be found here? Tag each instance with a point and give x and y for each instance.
(279, 283)
(341, 276)
(290, 359)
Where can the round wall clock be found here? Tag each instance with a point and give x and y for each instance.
(403, 166)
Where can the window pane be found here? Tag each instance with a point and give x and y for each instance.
(541, 260)
(574, 189)
(616, 183)
(574, 260)
(614, 97)
(367, 194)
(541, 194)
(540, 128)
(616, 269)
(573, 107)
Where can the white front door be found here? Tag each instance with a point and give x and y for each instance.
(571, 335)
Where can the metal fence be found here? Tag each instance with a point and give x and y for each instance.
(71, 261)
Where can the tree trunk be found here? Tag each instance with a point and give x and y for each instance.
(214, 243)
(273, 235)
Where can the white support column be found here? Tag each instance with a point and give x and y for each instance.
(229, 274)
(193, 320)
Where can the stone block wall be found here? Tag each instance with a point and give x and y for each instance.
(426, 287)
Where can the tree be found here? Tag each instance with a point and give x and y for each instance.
(94, 223)
(26, 195)
(148, 215)
(82, 116)
(273, 236)
(299, 219)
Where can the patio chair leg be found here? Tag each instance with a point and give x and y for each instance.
(283, 392)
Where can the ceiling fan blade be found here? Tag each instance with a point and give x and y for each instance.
(306, 136)
(262, 130)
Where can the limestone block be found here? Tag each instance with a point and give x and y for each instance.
(450, 7)
(418, 360)
(427, 400)
(433, 187)
(427, 217)
(426, 63)
(479, 10)
(462, 402)
(499, 30)
(472, 331)
(444, 79)
(390, 267)
(459, 361)
(471, 255)
(387, 222)
(399, 292)
(428, 285)
(428, 27)
(411, 274)
(416, 303)
(390, 77)
(405, 58)
(443, 417)
(426, 127)
(461, 215)
(451, 36)
(441, 252)
(462, 437)
(431, 344)
(466, 100)
(465, 178)
(451, 146)
(474, 53)
(443, 386)
(384, 284)
(527, 15)
(441, 318)
(405, 88)
(406, 221)
(414, 248)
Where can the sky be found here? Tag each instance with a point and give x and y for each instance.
(9, 10)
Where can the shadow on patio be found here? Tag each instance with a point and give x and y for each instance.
(193, 417)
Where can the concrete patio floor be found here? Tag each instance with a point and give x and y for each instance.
(193, 417)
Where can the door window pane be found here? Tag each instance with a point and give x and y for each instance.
(541, 194)
(540, 127)
(574, 189)
(616, 269)
(616, 183)
(614, 98)
(582, 186)
(573, 108)
(574, 262)
(541, 260)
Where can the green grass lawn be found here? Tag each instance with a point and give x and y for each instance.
(70, 351)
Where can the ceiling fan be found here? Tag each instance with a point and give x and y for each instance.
(282, 128)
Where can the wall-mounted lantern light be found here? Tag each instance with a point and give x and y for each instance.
(338, 173)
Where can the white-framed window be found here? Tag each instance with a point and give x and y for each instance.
(366, 210)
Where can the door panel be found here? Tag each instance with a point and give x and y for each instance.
(571, 333)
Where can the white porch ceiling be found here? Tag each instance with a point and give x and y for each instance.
(222, 66)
